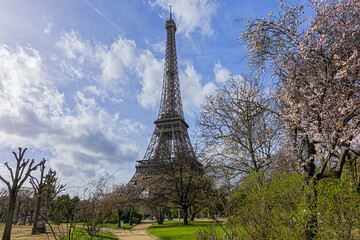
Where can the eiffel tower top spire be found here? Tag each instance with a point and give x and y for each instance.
(170, 105)
(170, 13)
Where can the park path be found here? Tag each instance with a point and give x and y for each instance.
(139, 232)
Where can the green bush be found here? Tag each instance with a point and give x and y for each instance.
(136, 217)
(338, 209)
(278, 208)
(269, 208)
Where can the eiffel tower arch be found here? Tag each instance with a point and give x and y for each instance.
(170, 139)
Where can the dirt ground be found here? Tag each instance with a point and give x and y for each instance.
(24, 232)
(139, 232)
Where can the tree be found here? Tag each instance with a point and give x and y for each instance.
(18, 178)
(96, 206)
(237, 124)
(65, 208)
(187, 180)
(121, 196)
(178, 182)
(45, 189)
(153, 194)
(316, 63)
(38, 187)
(24, 205)
(52, 188)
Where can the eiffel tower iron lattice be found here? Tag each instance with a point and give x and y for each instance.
(170, 139)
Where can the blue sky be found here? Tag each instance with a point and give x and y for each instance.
(80, 81)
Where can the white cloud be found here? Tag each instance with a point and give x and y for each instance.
(73, 72)
(108, 62)
(112, 65)
(192, 91)
(191, 15)
(123, 60)
(159, 47)
(74, 46)
(151, 72)
(33, 113)
(49, 24)
(221, 73)
(114, 60)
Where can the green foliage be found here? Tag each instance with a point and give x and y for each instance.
(210, 232)
(64, 208)
(338, 209)
(136, 217)
(104, 215)
(279, 208)
(268, 209)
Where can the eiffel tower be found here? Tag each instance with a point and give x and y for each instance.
(170, 139)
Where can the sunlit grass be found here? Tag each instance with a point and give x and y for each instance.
(176, 230)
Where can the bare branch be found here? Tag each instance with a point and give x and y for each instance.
(10, 170)
(6, 182)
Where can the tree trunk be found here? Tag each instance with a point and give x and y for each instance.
(119, 218)
(160, 216)
(185, 212)
(31, 217)
(36, 216)
(9, 216)
(160, 220)
(311, 220)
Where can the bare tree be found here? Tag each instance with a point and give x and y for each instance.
(46, 188)
(178, 182)
(152, 193)
(238, 126)
(186, 179)
(18, 178)
(121, 196)
(38, 190)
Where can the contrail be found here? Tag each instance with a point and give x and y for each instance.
(108, 19)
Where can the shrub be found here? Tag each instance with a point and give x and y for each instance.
(136, 217)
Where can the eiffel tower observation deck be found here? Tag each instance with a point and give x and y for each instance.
(170, 139)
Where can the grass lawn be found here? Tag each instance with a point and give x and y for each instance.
(81, 234)
(175, 230)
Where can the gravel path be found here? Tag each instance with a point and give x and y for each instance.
(139, 232)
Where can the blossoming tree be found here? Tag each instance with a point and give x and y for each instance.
(316, 62)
